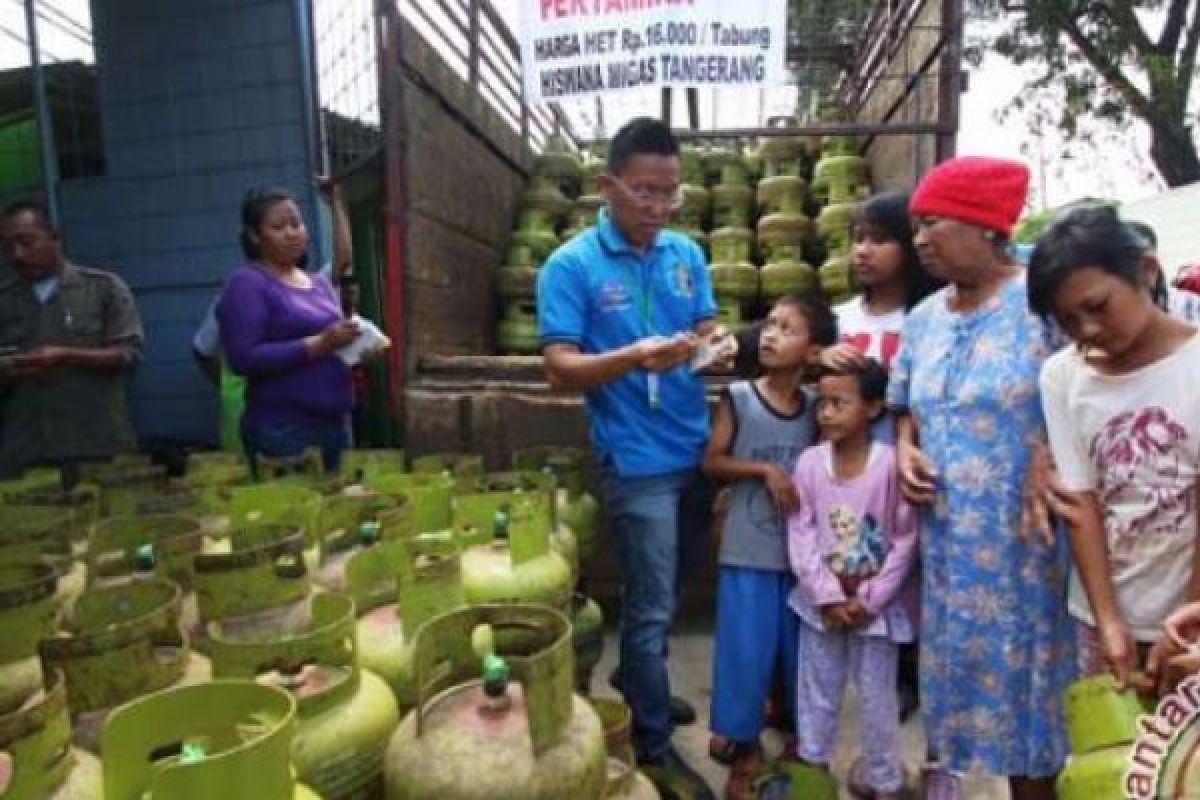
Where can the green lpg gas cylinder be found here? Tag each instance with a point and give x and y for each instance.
(128, 487)
(29, 608)
(46, 534)
(560, 162)
(617, 720)
(426, 497)
(212, 480)
(840, 175)
(691, 165)
(697, 203)
(787, 276)
(260, 582)
(463, 466)
(732, 205)
(784, 156)
(280, 502)
(492, 493)
(119, 643)
(348, 523)
(361, 465)
(781, 193)
(624, 781)
(1101, 727)
(37, 761)
(517, 283)
(725, 165)
(128, 547)
(496, 716)
(833, 226)
(587, 637)
(426, 580)
(836, 277)
(511, 559)
(731, 245)
(577, 508)
(226, 739)
(593, 167)
(517, 331)
(783, 236)
(346, 715)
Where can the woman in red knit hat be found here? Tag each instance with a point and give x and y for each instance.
(995, 634)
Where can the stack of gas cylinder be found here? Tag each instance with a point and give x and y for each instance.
(763, 242)
(559, 202)
(765, 214)
(308, 635)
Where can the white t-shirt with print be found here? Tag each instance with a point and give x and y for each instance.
(876, 336)
(1134, 440)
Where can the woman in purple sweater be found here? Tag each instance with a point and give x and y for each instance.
(280, 328)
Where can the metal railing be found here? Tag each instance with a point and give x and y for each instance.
(478, 45)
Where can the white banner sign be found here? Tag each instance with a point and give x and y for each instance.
(574, 48)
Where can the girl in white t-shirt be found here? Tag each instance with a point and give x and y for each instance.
(892, 280)
(1123, 418)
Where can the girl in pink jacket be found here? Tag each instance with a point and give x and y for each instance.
(852, 545)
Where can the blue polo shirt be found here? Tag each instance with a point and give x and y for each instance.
(599, 293)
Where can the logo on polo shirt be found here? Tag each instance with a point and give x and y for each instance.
(679, 279)
(613, 297)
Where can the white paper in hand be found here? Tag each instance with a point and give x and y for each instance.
(369, 339)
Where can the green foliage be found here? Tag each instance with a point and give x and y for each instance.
(1100, 61)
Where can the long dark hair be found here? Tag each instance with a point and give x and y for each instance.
(255, 205)
(888, 212)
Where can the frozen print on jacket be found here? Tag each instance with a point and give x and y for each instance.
(861, 546)
(1146, 468)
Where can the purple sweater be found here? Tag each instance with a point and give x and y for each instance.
(263, 325)
(833, 518)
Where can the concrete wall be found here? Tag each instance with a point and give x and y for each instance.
(200, 99)
(897, 162)
(464, 180)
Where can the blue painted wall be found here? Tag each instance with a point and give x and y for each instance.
(200, 100)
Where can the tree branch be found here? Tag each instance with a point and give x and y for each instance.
(1187, 60)
(1168, 43)
(1111, 72)
(1121, 12)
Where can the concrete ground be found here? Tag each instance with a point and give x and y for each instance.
(691, 677)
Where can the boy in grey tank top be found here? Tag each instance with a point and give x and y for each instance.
(759, 430)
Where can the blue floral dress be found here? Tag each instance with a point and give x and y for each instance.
(996, 644)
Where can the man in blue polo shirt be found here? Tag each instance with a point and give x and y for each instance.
(621, 309)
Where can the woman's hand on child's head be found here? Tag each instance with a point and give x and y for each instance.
(842, 357)
(918, 478)
(782, 490)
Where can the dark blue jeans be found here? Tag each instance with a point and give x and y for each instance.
(661, 523)
(287, 439)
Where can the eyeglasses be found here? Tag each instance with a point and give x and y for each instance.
(671, 200)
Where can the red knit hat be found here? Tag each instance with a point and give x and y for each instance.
(988, 192)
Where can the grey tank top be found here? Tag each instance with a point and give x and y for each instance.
(755, 535)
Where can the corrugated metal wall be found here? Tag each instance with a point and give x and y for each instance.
(200, 99)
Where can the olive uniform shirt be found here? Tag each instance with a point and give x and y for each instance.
(67, 413)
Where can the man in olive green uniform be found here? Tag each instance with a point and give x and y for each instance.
(69, 336)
